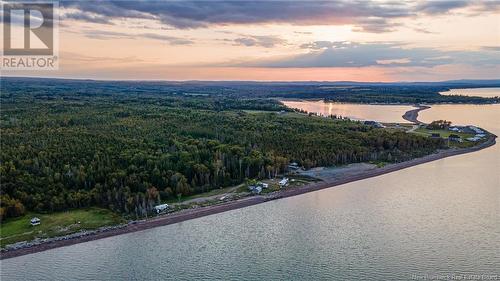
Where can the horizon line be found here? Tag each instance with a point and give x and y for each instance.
(249, 81)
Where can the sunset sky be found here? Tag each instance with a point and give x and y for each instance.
(276, 40)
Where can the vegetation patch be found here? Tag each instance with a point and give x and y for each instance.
(56, 224)
(443, 133)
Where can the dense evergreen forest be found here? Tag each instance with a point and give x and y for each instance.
(124, 146)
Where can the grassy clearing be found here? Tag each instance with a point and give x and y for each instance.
(218, 191)
(442, 133)
(446, 133)
(55, 224)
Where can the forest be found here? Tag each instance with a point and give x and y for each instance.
(256, 92)
(69, 144)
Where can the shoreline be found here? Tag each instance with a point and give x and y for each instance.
(189, 214)
(412, 115)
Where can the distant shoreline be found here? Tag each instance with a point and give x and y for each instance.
(189, 214)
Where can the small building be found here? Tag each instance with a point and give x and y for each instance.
(435, 136)
(283, 182)
(293, 166)
(161, 208)
(35, 221)
(455, 138)
(256, 189)
(265, 185)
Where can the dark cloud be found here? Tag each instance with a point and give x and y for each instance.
(347, 54)
(366, 16)
(194, 14)
(108, 35)
(88, 17)
(376, 25)
(439, 7)
(261, 41)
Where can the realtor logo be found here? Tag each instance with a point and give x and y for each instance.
(29, 36)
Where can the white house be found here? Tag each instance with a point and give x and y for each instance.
(161, 208)
(35, 221)
(283, 182)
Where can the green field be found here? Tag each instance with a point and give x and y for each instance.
(445, 134)
(218, 191)
(56, 224)
(442, 133)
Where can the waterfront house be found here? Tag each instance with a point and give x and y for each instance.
(161, 208)
(35, 221)
(283, 182)
(256, 189)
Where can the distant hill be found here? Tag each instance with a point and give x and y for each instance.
(341, 91)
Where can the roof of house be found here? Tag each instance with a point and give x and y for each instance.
(284, 181)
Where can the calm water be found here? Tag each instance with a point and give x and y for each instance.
(481, 92)
(382, 113)
(437, 218)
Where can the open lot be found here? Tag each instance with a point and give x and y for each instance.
(55, 224)
(442, 133)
